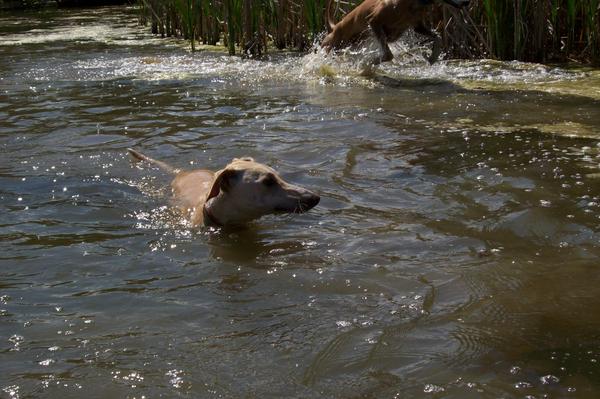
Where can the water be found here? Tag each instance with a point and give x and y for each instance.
(454, 252)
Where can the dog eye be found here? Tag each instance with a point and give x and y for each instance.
(269, 181)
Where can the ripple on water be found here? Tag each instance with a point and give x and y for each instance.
(456, 238)
(348, 69)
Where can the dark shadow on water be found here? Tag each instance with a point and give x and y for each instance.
(248, 246)
(436, 84)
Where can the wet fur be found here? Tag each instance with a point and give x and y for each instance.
(386, 20)
(240, 192)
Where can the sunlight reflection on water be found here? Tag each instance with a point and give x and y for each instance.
(453, 253)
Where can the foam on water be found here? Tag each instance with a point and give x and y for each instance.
(78, 33)
(93, 25)
(349, 67)
(426, 268)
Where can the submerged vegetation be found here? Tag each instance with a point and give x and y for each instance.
(527, 30)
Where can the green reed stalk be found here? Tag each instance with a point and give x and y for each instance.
(187, 11)
(314, 16)
(230, 12)
(489, 7)
(517, 27)
(592, 26)
(571, 14)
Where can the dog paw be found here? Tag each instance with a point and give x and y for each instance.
(383, 58)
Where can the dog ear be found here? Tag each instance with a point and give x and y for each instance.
(221, 182)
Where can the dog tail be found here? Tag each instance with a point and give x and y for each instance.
(141, 157)
(329, 17)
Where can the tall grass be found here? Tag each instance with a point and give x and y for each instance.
(529, 30)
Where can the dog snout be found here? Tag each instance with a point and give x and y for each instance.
(309, 201)
(304, 200)
(299, 199)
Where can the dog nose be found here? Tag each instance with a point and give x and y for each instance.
(309, 201)
(313, 201)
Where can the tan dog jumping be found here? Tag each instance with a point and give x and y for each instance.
(242, 191)
(387, 20)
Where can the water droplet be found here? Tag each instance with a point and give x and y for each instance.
(549, 379)
(343, 323)
(46, 362)
(12, 391)
(432, 388)
(523, 385)
(176, 380)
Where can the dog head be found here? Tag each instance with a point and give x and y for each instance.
(245, 190)
(458, 3)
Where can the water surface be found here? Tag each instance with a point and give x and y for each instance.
(454, 252)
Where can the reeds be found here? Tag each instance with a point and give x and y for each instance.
(528, 30)
(244, 26)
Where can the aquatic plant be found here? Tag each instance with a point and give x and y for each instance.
(245, 25)
(529, 30)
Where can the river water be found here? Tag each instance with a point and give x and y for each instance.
(454, 254)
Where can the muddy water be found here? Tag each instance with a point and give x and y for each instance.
(454, 254)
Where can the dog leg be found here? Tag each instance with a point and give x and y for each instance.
(434, 37)
(386, 53)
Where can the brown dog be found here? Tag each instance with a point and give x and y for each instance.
(386, 20)
(242, 191)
